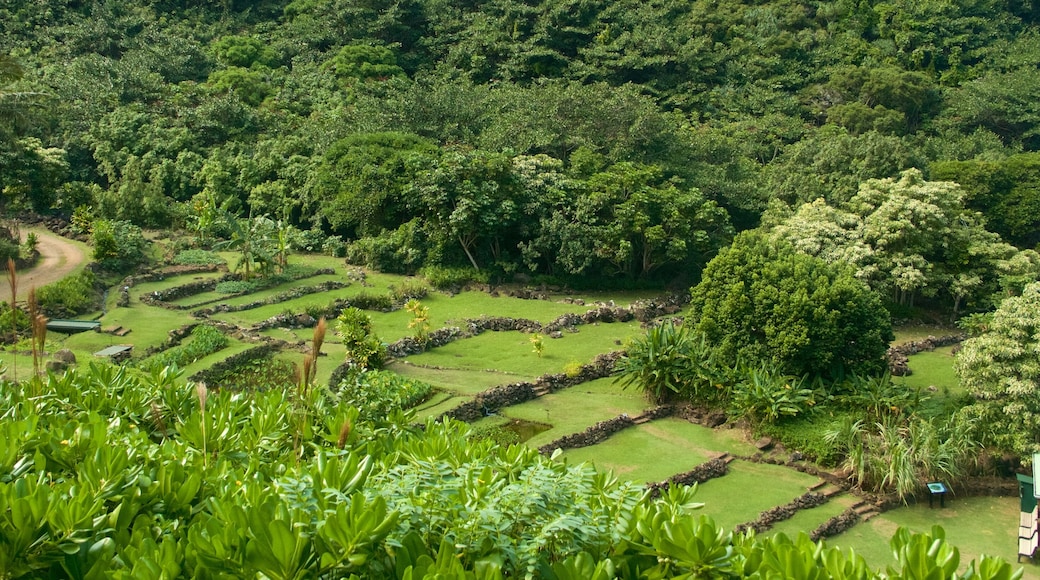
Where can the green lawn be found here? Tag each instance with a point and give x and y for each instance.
(574, 409)
(978, 525)
(657, 450)
(933, 368)
(748, 490)
(511, 352)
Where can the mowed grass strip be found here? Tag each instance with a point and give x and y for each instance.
(466, 383)
(660, 449)
(149, 327)
(749, 489)
(142, 288)
(576, 408)
(263, 294)
(975, 525)
(511, 352)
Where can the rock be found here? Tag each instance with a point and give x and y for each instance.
(56, 366)
(714, 419)
(66, 356)
(797, 456)
(764, 444)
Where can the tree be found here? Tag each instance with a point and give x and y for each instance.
(1001, 369)
(359, 186)
(470, 198)
(906, 237)
(761, 300)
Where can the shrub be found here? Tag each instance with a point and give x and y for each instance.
(399, 251)
(409, 290)
(118, 245)
(205, 340)
(69, 296)
(445, 278)
(334, 246)
(669, 361)
(260, 375)
(377, 393)
(369, 301)
(236, 287)
(364, 349)
(765, 394)
(761, 300)
(198, 258)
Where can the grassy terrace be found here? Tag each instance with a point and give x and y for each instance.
(650, 452)
(660, 449)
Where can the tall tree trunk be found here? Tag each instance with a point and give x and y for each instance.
(465, 248)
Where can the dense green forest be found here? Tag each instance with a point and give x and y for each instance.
(567, 139)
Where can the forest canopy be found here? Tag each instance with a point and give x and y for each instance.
(610, 141)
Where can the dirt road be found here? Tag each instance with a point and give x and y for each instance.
(59, 257)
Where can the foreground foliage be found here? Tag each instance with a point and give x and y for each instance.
(107, 475)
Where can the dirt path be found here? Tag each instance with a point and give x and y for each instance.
(59, 257)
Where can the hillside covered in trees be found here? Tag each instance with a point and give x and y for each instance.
(574, 139)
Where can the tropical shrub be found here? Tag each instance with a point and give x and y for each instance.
(69, 296)
(897, 456)
(760, 300)
(369, 301)
(408, 289)
(765, 394)
(670, 361)
(1001, 369)
(377, 393)
(445, 278)
(118, 245)
(364, 349)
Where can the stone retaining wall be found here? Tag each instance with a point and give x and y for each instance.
(590, 436)
(836, 525)
(708, 470)
(773, 515)
(491, 401)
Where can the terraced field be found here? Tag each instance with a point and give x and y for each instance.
(746, 487)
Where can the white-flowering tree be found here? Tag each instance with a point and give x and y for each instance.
(1001, 369)
(906, 237)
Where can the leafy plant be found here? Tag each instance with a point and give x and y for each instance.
(364, 349)
(670, 361)
(444, 278)
(765, 394)
(538, 343)
(197, 257)
(205, 340)
(420, 322)
(69, 296)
